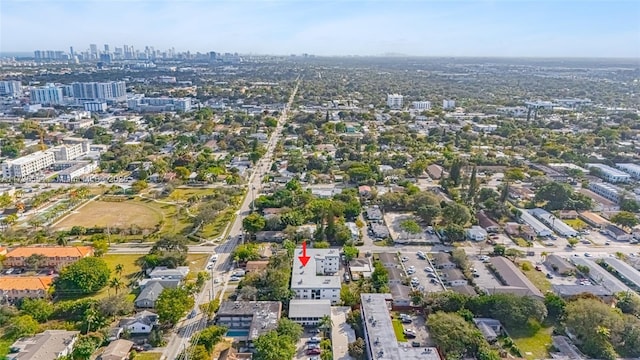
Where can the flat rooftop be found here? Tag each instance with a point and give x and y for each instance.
(380, 334)
(300, 308)
(305, 277)
(600, 275)
(624, 269)
(265, 314)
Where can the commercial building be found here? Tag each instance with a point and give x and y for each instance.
(395, 101)
(514, 281)
(309, 312)
(611, 174)
(112, 90)
(556, 224)
(631, 169)
(379, 335)
(10, 88)
(448, 104)
(539, 228)
(559, 265)
(54, 256)
(27, 165)
(95, 106)
(47, 95)
(421, 105)
(48, 345)
(247, 320)
(144, 104)
(319, 279)
(14, 288)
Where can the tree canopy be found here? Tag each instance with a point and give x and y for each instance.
(85, 276)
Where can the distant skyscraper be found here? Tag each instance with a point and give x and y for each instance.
(395, 101)
(93, 49)
(106, 48)
(10, 88)
(71, 51)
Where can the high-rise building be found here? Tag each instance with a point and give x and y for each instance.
(421, 105)
(10, 88)
(448, 104)
(47, 95)
(113, 90)
(394, 101)
(106, 48)
(93, 48)
(71, 51)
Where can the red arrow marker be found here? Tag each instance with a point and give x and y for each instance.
(304, 259)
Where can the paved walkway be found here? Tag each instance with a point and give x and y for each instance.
(341, 333)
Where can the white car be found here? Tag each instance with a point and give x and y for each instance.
(411, 272)
(428, 269)
(411, 267)
(404, 259)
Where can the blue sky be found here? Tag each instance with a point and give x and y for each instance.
(572, 28)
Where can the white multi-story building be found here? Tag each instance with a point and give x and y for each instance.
(95, 106)
(485, 128)
(395, 101)
(159, 104)
(27, 165)
(513, 110)
(607, 191)
(421, 105)
(47, 95)
(10, 88)
(448, 104)
(610, 174)
(68, 152)
(631, 169)
(319, 279)
(112, 90)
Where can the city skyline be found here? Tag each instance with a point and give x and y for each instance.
(428, 28)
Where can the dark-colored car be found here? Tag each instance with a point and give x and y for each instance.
(313, 352)
(415, 343)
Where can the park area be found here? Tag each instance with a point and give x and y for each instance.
(112, 214)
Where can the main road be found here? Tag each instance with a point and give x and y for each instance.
(220, 272)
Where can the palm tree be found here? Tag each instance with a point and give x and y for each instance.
(116, 284)
(325, 324)
(119, 269)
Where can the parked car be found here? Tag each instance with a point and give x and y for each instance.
(428, 269)
(409, 334)
(314, 340)
(549, 276)
(346, 277)
(415, 344)
(313, 351)
(538, 268)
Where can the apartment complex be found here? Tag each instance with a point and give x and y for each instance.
(379, 335)
(247, 320)
(631, 169)
(610, 174)
(55, 256)
(10, 88)
(448, 104)
(421, 105)
(395, 101)
(607, 191)
(319, 278)
(27, 165)
(47, 95)
(14, 288)
(112, 90)
(143, 104)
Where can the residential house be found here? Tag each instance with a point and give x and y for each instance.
(360, 267)
(559, 265)
(401, 295)
(355, 231)
(477, 233)
(149, 295)
(142, 323)
(364, 191)
(443, 260)
(490, 328)
(617, 233)
(396, 276)
(513, 280)
(373, 213)
(256, 266)
(487, 223)
(519, 230)
(309, 312)
(539, 228)
(50, 344)
(435, 171)
(14, 288)
(56, 257)
(163, 272)
(270, 236)
(247, 320)
(379, 231)
(454, 277)
(117, 350)
(568, 214)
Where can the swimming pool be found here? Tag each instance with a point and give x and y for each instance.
(238, 333)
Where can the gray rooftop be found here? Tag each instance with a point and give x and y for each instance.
(380, 335)
(625, 270)
(265, 314)
(305, 277)
(299, 308)
(513, 277)
(44, 346)
(601, 276)
(571, 290)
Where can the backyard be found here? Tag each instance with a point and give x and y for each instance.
(532, 345)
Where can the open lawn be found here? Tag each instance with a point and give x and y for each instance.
(215, 228)
(130, 272)
(520, 241)
(532, 345)
(536, 277)
(112, 214)
(148, 356)
(398, 329)
(577, 224)
(185, 193)
(197, 262)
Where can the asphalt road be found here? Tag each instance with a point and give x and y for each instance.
(188, 327)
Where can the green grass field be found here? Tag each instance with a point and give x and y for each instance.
(532, 346)
(398, 329)
(113, 214)
(536, 277)
(185, 193)
(577, 224)
(148, 356)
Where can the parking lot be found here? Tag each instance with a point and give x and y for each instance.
(484, 279)
(419, 328)
(302, 346)
(424, 279)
